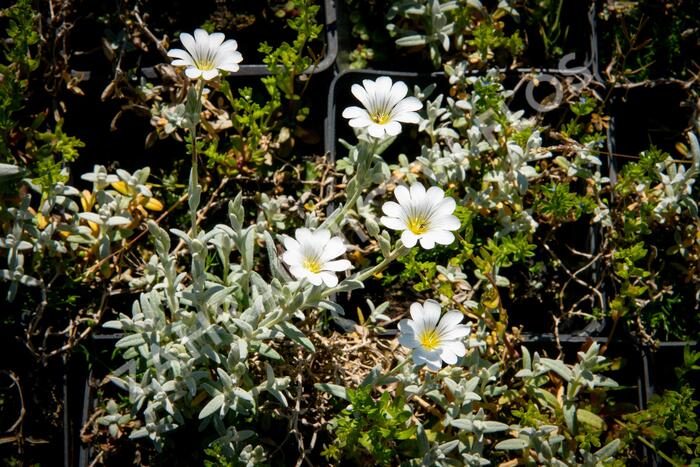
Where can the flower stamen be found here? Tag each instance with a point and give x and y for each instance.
(380, 118)
(418, 225)
(312, 265)
(430, 340)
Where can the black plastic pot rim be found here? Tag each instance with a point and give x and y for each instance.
(330, 55)
(329, 133)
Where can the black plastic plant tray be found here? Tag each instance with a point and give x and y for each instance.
(531, 88)
(328, 11)
(340, 97)
(657, 113)
(581, 42)
(100, 343)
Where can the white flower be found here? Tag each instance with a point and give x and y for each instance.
(385, 105)
(309, 256)
(206, 54)
(424, 216)
(433, 339)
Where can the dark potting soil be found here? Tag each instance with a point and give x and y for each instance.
(249, 22)
(657, 114)
(649, 39)
(568, 30)
(663, 362)
(40, 435)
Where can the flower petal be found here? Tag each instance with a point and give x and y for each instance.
(444, 207)
(321, 236)
(430, 359)
(431, 313)
(393, 223)
(392, 128)
(360, 122)
(376, 130)
(304, 236)
(215, 40)
(416, 310)
(441, 237)
(406, 117)
(398, 91)
(409, 239)
(181, 54)
(409, 104)
(338, 265)
(316, 279)
(292, 258)
(189, 43)
(447, 355)
(435, 194)
(449, 321)
(230, 67)
(445, 223)
(361, 94)
(290, 243)
(382, 90)
(403, 196)
(330, 279)
(332, 249)
(427, 242)
(193, 72)
(210, 74)
(201, 36)
(392, 209)
(355, 112)
(456, 348)
(417, 193)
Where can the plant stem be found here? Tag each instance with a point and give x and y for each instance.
(194, 175)
(362, 181)
(361, 276)
(392, 372)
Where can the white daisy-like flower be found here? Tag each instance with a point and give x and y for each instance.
(385, 107)
(206, 54)
(310, 256)
(433, 339)
(424, 216)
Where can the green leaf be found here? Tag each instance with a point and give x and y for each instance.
(267, 351)
(131, 340)
(558, 367)
(296, 335)
(212, 406)
(547, 398)
(411, 41)
(589, 418)
(333, 389)
(514, 444)
(608, 450)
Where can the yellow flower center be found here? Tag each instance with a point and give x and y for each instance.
(205, 65)
(380, 118)
(312, 265)
(429, 340)
(418, 225)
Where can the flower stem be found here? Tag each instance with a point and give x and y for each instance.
(360, 179)
(363, 275)
(379, 381)
(194, 175)
(398, 251)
